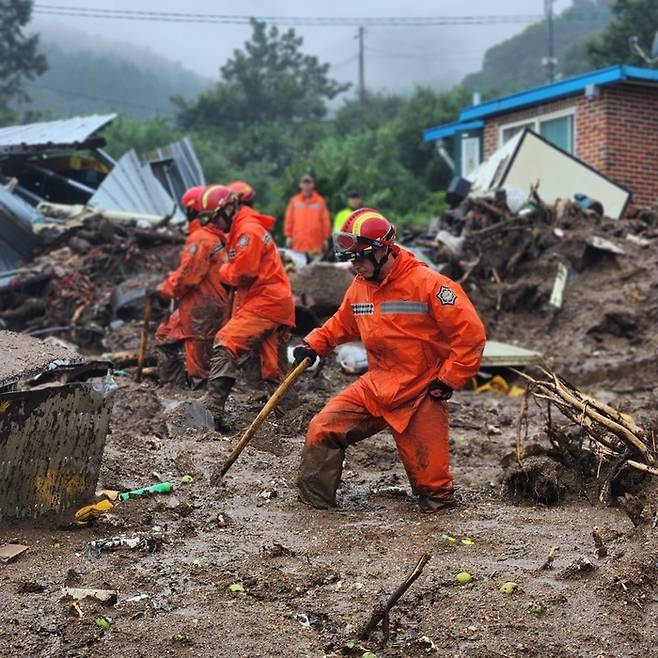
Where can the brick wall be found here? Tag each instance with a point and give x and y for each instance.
(630, 152)
(616, 133)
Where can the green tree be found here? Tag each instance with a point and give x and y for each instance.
(632, 18)
(372, 112)
(126, 133)
(19, 56)
(516, 63)
(269, 80)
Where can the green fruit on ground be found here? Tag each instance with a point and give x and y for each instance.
(463, 578)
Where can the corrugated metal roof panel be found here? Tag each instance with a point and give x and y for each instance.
(16, 219)
(48, 135)
(183, 154)
(176, 167)
(132, 187)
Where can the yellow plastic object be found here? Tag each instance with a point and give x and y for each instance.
(90, 512)
(498, 384)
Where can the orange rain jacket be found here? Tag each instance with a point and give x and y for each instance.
(307, 222)
(170, 330)
(197, 285)
(255, 270)
(416, 325)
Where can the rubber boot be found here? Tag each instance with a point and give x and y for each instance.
(432, 505)
(215, 399)
(171, 366)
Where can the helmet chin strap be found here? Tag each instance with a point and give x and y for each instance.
(377, 264)
(228, 219)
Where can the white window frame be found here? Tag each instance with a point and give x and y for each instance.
(540, 118)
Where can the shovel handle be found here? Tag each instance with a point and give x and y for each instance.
(289, 380)
(141, 357)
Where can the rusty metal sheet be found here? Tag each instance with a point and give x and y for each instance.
(51, 446)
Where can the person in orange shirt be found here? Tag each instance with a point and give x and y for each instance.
(263, 308)
(169, 339)
(307, 225)
(423, 339)
(202, 301)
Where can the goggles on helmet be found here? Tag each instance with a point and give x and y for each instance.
(351, 247)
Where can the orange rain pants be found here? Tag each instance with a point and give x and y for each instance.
(345, 420)
(245, 332)
(263, 311)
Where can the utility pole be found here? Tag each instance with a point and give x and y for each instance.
(550, 62)
(362, 65)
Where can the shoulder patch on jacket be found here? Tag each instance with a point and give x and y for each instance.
(446, 295)
(217, 248)
(243, 241)
(363, 308)
(193, 248)
(267, 238)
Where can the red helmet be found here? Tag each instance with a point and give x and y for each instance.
(215, 198)
(191, 200)
(364, 230)
(244, 191)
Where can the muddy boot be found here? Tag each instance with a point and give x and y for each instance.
(430, 505)
(171, 365)
(215, 399)
(319, 475)
(197, 383)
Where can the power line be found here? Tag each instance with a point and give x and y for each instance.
(319, 21)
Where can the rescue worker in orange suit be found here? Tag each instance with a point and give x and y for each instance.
(263, 309)
(202, 300)
(243, 191)
(423, 338)
(169, 335)
(307, 226)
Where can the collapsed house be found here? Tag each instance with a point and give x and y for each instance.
(56, 172)
(605, 118)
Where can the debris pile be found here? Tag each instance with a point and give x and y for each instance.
(79, 282)
(599, 446)
(561, 279)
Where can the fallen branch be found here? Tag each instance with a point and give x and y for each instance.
(614, 437)
(380, 614)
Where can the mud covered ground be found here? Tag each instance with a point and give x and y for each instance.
(311, 578)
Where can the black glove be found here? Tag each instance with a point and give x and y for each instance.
(301, 352)
(439, 391)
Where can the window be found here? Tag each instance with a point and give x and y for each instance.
(512, 131)
(470, 154)
(559, 132)
(557, 128)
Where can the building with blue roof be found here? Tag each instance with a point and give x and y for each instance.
(606, 118)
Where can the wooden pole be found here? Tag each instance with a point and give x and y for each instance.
(148, 308)
(289, 380)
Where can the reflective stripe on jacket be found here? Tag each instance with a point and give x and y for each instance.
(417, 325)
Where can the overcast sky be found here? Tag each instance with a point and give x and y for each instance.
(397, 58)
